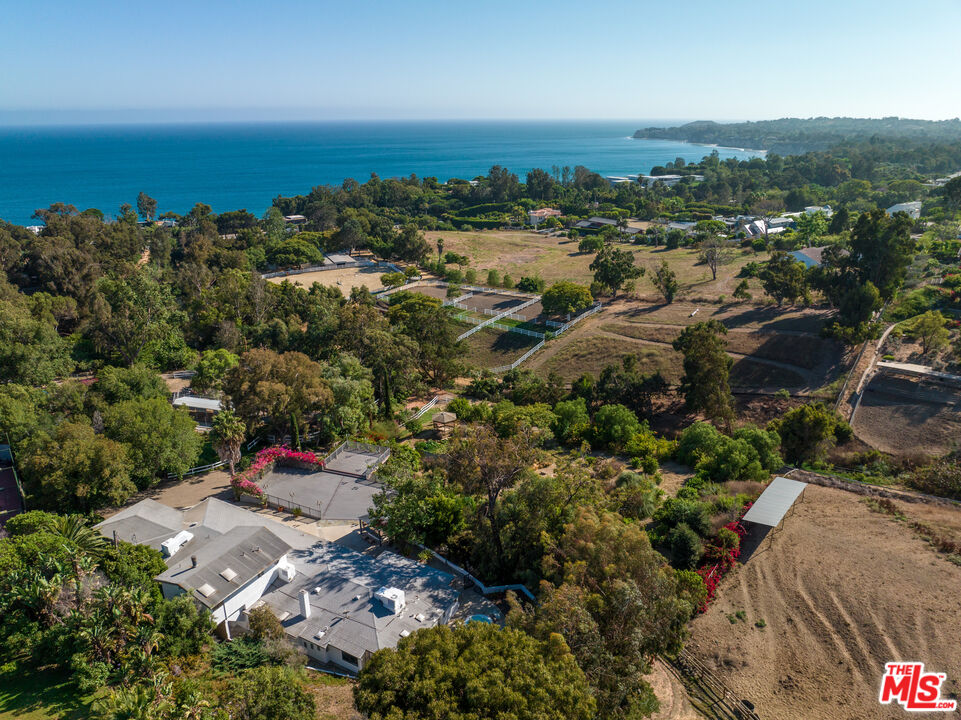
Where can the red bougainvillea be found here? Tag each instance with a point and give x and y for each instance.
(245, 483)
(720, 561)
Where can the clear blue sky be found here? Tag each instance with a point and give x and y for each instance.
(67, 60)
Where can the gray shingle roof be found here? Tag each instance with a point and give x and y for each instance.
(247, 551)
(341, 585)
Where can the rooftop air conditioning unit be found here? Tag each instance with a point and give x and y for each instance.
(392, 598)
(170, 546)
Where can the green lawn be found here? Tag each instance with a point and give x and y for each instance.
(26, 695)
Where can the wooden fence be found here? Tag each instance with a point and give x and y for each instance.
(707, 692)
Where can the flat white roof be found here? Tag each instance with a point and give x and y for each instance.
(201, 403)
(338, 259)
(775, 501)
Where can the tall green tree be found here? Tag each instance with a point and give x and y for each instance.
(76, 469)
(665, 280)
(706, 370)
(146, 206)
(565, 297)
(160, 438)
(881, 250)
(783, 278)
(283, 391)
(129, 312)
(474, 672)
(616, 603)
(227, 437)
(614, 267)
(433, 327)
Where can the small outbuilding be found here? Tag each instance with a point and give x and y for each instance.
(444, 423)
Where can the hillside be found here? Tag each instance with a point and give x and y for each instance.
(793, 136)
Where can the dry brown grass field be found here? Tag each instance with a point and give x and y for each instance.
(520, 253)
(841, 590)
(772, 348)
(489, 348)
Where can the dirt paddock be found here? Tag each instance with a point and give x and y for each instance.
(345, 278)
(901, 416)
(841, 590)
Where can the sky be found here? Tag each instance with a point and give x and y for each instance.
(64, 61)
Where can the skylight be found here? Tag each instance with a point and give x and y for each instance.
(228, 574)
(206, 590)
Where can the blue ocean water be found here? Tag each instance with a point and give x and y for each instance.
(233, 166)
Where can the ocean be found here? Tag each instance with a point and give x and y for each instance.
(234, 166)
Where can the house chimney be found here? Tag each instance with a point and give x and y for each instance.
(193, 561)
(304, 604)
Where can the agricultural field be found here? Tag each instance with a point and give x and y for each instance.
(838, 592)
(519, 253)
(345, 278)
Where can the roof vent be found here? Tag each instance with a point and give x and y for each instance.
(206, 590)
(228, 574)
(404, 633)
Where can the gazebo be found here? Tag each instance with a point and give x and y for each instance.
(444, 422)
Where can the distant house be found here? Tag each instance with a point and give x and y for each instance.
(686, 226)
(595, 223)
(340, 260)
(537, 216)
(811, 257)
(912, 209)
(203, 410)
(755, 227)
(823, 209)
(295, 219)
(668, 180)
(621, 179)
(337, 605)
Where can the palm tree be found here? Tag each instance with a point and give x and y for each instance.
(227, 436)
(87, 544)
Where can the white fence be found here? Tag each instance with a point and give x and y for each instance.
(518, 361)
(498, 317)
(426, 407)
(566, 326)
(561, 329)
(515, 329)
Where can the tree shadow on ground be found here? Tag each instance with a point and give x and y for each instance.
(39, 695)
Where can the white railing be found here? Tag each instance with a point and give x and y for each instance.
(457, 301)
(566, 326)
(518, 361)
(515, 329)
(426, 407)
(199, 469)
(497, 317)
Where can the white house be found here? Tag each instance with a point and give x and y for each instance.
(337, 605)
(537, 216)
(913, 209)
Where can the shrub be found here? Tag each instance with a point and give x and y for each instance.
(686, 547)
(614, 426)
